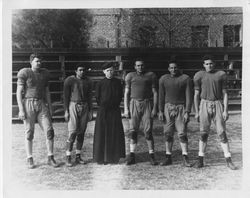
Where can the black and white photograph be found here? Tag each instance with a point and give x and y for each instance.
(113, 99)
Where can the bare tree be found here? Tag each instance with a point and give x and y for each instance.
(48, 28)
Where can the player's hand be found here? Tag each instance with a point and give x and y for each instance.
(21, 115)
(186, 117)
(90, 115)
(161, 116)
(126, 113)
(66, 116)
(50, 111)
(197, 117)
(154, 112)
(49, 107)
(225, 115)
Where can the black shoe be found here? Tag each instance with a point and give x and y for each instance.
(152, 160)
(30, 163)
(52, 161)
(68, 161)
(79, 160)
(131, 159)
(199, 163)
(230, 163)
(167, 161)
(186, 161)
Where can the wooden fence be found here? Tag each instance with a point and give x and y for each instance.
(60, 62)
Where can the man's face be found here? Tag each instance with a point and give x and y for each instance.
(80, 72)
(173, 69)
(139, 66)
(109, 72)
(208, 65)
(36, 63)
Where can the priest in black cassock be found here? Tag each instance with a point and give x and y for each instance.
(109, 140)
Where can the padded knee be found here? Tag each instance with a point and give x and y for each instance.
(30, 135)
(223, 137)
(183, 138)
(204, 137)
(79, 143)
(80, 137)
(169, 138)
(133, 136)
(50, 134)
(69, 146)
(72, 137)
(149, 136)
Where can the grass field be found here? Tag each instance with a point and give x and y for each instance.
(214, 176)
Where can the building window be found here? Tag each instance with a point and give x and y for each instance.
(231, 35)
(199, 36)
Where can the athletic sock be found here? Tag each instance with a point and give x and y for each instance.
(226, 155)
(78, 151)
(151, 151)
(132, 148)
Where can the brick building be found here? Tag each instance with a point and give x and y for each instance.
(166, 27)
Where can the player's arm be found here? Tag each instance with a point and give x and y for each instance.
(19, 98)
(90, 95)
(155, 95)
(48, 100)
(225, 97)
(161, 99)
(47, 93)
(127, 95)
(66, 99)
(189, 99)
(197, 92)
(155, 98)
(196, 103)
(120, 92)
(225, 103)
(126, 102)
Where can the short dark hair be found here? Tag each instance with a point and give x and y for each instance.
(139, 59)
(34, 55)
(81, 65)
(107, 65)
(172, 61)
(208, 57)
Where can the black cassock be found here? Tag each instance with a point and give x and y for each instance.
(109, 141)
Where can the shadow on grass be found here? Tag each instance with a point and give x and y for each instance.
(211, 159)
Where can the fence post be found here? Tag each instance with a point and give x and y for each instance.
(119, 60)
(226, 57)
(120, 66)
(225, 61)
